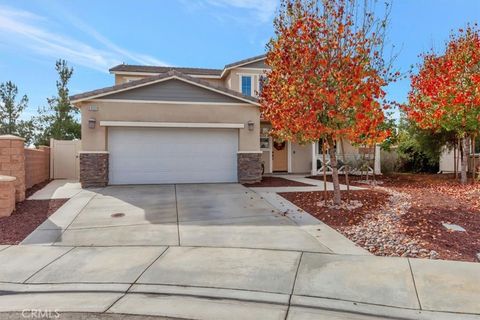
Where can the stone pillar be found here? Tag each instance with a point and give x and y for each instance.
(7, 195)
(249, 167)
(12, 162)
(94, 169)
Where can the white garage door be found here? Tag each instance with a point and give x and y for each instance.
(172, 155)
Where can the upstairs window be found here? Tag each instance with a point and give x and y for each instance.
(246, 85)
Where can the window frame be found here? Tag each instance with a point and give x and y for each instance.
(251, 76)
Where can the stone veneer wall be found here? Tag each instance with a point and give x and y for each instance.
(93, 169)
(249, 167)
(12, 162)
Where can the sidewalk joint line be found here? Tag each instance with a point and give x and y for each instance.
(209, 287)
(414, 284)
(355, 302)
(293, 287)
(42, 268)
(176, 209)
(74, 218)
(146, 223)
(131, 285)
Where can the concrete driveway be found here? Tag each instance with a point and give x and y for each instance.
(209, 215)
(218, 251)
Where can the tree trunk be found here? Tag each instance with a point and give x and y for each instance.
(459, 149)
(455, 162)
(325, 192)
(474, 169)
(374, 148)
(464, 164)
(337, 199)
(346, 171)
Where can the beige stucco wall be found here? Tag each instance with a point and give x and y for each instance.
(119, 79)
(232, 80)
(96, 139)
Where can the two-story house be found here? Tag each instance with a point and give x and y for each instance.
(183, 125)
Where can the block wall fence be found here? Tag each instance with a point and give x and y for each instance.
(20, 169)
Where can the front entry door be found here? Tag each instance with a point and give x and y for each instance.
(280, 156)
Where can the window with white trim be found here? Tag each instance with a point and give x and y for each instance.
(246, 85)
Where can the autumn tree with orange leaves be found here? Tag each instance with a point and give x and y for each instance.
(445, 93)
(327, 74)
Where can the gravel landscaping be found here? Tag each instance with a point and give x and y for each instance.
(404, 215)
(28, 215)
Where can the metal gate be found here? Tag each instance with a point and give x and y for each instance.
(64, 160)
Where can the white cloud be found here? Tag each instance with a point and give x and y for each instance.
(136, 57)
(24, 29)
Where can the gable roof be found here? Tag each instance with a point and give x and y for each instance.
(245, 61)
(172, 74)
(217, 73)
(160, 69)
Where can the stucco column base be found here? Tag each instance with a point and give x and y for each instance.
(249, 167)
(7, 195)
(93, 169)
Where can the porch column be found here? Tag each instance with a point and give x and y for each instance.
(314, 159)
(377, 166)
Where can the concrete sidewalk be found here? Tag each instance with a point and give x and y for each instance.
(316, 185)
(57, 189)
(235, 283)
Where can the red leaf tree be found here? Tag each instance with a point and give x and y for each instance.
(326, 76)
(445, 94)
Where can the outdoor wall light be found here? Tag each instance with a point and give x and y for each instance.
(91, 123)
(250, 125)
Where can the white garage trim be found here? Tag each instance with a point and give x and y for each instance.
(172, 124)
(172, 155)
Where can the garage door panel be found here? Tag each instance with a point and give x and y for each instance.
(172, 155)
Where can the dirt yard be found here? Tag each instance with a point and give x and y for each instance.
(28, 215)
(404, 214)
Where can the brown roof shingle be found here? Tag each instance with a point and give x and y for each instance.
(188, 71)
(245, 61)
(159, 69)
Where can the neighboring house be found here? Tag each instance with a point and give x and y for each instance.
(184, 125)
(449, 158)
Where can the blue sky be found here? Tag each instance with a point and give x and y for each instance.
(95, 35)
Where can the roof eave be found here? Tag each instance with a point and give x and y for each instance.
(228, 67)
